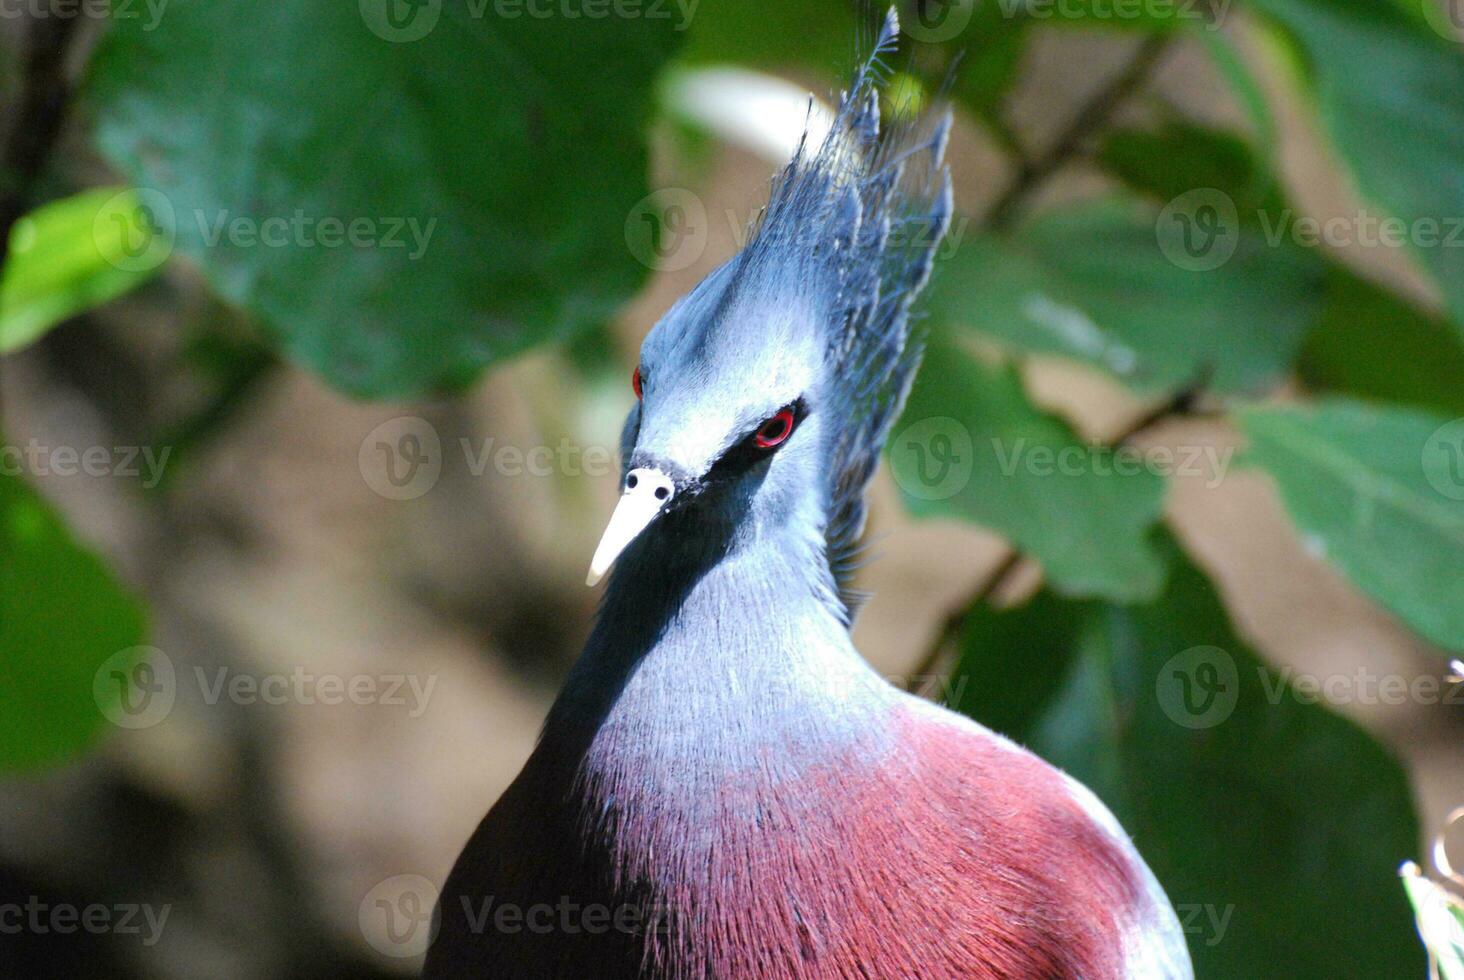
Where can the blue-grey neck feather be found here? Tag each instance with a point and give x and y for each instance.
(710, 657)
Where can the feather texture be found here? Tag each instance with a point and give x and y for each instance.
(747, 799)
(860, 219)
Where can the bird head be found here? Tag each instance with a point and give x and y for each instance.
(765, 394)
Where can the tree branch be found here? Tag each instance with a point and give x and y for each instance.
(1031, 173)
(1093, 116)
(1177, 405)
(956, 620)
(43, 99)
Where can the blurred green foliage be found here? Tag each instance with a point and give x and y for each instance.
(1094, 282)
(1387, 88)
(1367, 486)
(520, 148)
(996, 460)
(1417, 360)
(1179, 156)
(66, 258)
(486, 169)
(1258, 812)
(62, 615)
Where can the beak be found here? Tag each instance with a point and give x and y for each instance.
(647, 492)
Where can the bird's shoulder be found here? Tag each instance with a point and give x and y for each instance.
(996, 783)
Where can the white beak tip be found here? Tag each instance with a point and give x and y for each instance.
(646, 493)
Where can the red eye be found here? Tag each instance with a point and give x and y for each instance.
(775, 430)
(635, 384)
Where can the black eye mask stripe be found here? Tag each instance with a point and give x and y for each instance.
(745, 452)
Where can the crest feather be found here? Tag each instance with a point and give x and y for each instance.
(861, 218)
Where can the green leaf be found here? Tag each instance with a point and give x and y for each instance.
(817, 34)
(1044, 632)
(1111, 284)
(62, 615)
(397, 210)
(1373, 343)
(1390, 93)
(993, 43)
(1180, 157)
(1262, 815)
(971, 445)
(1380, 493)
(66, 258)
(1246, 89)
(1440, 923)
(1366, 341)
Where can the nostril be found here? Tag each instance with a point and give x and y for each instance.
(631, 481)
(662, 493)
